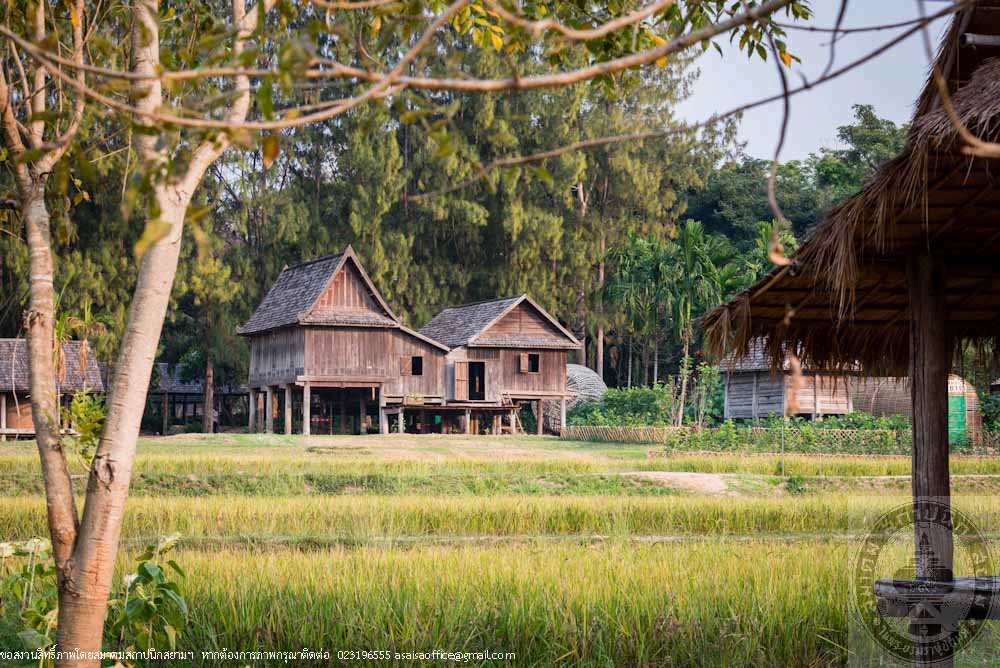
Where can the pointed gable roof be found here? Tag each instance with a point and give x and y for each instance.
(292, 298)
(465, 325)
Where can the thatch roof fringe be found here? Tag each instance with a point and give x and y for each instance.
(897, 213)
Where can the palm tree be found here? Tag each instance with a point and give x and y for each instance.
(634, 288)
(697, 287)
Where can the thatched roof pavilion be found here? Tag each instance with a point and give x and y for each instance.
(933, 199)
(899, 277)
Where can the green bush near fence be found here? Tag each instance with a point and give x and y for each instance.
(806, 438)
(626, 407)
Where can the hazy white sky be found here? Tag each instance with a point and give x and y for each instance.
(891, 83)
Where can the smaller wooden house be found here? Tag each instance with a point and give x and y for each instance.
(79, 372)
(503, 351)
(754, 391)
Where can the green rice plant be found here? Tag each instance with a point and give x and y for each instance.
(365, 520)
(702, 604)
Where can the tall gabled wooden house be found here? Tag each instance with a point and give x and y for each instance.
(503, 351)
(326, 345)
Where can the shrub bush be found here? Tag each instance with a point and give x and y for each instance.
(629, 407)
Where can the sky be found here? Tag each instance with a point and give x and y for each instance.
(890, 83)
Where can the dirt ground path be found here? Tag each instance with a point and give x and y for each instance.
(702, 483)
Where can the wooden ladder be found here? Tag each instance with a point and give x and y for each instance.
(505, 398)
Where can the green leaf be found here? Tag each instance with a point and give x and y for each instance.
(177, 600)
(151, 571)
(543, 174)
(134, 608)
(180, 571)
(33, 639)
(265, 98)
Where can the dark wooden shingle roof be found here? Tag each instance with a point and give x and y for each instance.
(465, 325)
(14, 367)
(456, 325)
(292, 298)
(292, 295)
(758, 358)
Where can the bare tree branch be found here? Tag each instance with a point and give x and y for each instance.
(395, 76)
(515, 161)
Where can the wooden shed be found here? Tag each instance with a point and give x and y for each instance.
(897, 280)
(325, 345)
(504, 351)
(754, 390)
(80, 372)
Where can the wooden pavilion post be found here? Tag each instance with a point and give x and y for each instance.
(343, 410)
(538, 427)
(929, 362)
(362, 413)
(269, 411)
(165, 410)
(306, 408)
(253, 411)
(288, 409)
(383, 419)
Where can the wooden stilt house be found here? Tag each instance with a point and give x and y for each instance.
(898, 279)
(503, 351)
(328, 355)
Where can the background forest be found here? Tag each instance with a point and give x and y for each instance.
(626, 243)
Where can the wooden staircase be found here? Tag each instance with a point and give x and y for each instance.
(505, 399)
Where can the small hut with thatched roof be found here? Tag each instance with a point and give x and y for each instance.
(899, 278)
(78, 371)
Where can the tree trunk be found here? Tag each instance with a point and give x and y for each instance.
(208, 409)
(645, 363)
(39, 322)
(83, 596)
(630, 362)
(85, 579)
(599, 362)
(656, 361)
(684, 377)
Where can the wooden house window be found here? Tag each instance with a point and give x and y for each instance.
(530, 363)
(417, 365)
(461, 381)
